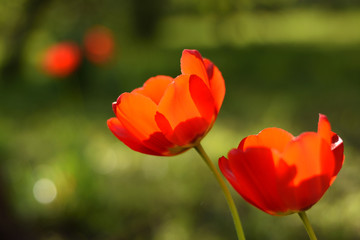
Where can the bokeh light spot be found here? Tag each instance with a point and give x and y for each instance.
(44, 191)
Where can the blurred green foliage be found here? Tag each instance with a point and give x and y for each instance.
(284, 61)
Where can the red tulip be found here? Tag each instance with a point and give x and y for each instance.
(168, 116)
(282, 174)
(99, 44)
(61, 59)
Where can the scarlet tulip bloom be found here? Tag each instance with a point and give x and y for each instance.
(282, 174)
(61, 59)
(99, 44)
(167, 116)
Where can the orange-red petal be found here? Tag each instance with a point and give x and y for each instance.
(324, 128)
(281, 174)
(246, 191)
(337, 146)
(154, 87)
(128, 138)
(311, 155)
(178, 117)
(191, 62)
(315, 163)
(186, 134)
(255, 172)
(202, 98)
(276, 138)
(216, 82)
(177, 104)
(136, 113)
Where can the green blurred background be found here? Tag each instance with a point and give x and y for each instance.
(63, 175)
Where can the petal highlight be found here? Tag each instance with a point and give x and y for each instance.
(191, 62)
(324, 128)
(217, 83)
(311, 155)
(154, 87)
(337, 147)
(177, 104)
(276, 138)
(140, 123)
(136, 113)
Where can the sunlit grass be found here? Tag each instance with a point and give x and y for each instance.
(297, 26)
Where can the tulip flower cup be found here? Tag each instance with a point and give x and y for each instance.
(281, 174)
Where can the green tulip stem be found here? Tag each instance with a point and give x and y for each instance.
(307, 225)
(230, 201)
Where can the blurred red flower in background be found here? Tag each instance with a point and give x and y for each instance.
(99, 44)
(61, 59)
(282, 174)
(167, 116)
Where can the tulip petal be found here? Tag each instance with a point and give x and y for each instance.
(312, 156)
(136, 113)
(256, 178)
(186, 134)
(324, 128)
(202, 98)
(240, 187)
(314, 160)
(227, 172)
(178, 117)
(281, 174)
(191, 62)
(127, 138)
(337, 147)
(154, 87)
(177, 104)
(306, 194)
(217, 83)
(276, 138)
